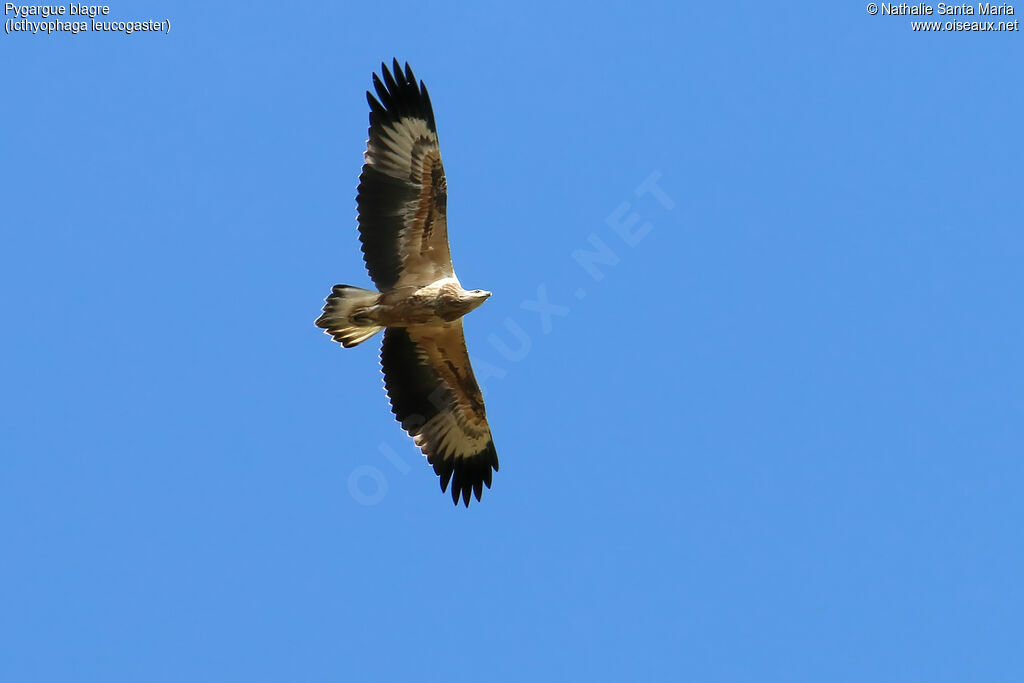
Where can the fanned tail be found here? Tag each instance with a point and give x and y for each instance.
(344, 315)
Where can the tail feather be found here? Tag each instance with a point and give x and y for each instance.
(341, 316)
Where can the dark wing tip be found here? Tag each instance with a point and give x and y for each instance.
(400, 96)
(469, 475)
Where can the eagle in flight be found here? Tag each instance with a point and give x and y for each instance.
(403, 228)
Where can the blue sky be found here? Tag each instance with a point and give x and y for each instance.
(778, 439)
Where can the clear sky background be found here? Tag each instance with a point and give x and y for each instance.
(778, 439)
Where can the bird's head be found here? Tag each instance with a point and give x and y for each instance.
(477, 297)
(457, 304)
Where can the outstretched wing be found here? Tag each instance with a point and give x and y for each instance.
(402, 190)
(435, 396)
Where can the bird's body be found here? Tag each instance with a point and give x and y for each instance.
(420, 303)
(437, 303)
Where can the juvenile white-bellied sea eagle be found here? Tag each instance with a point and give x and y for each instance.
(403, 229)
